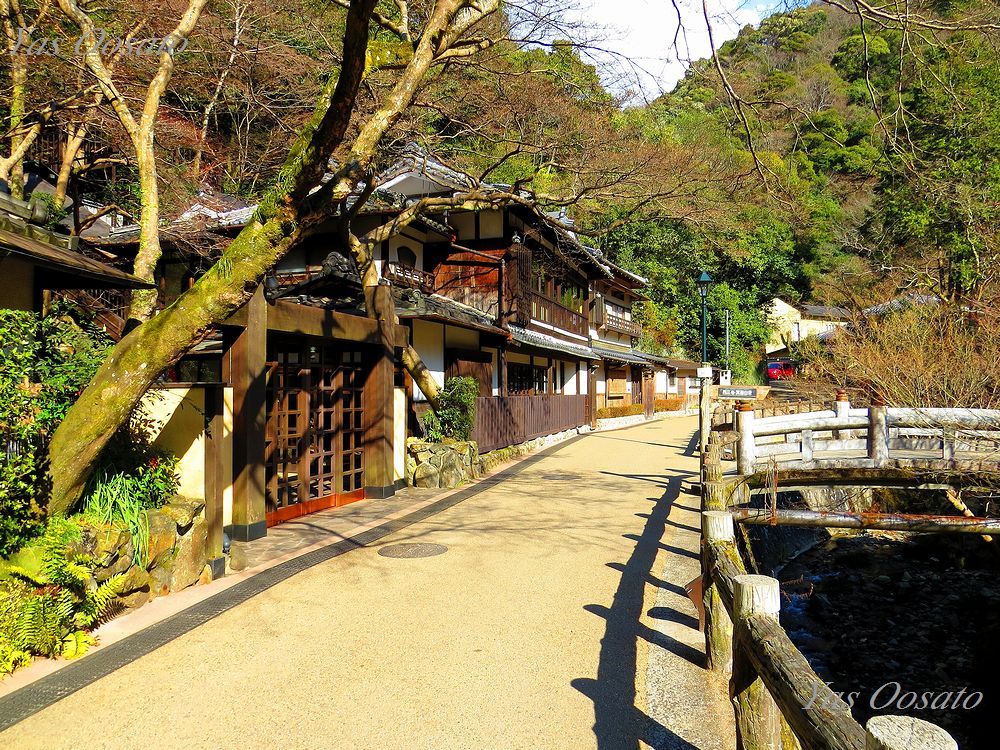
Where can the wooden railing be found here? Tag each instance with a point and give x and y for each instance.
(411, 278)
(778, 699)
(508, 420)
(874, 437)
(548, 311)
(109, 307)
(619, 323)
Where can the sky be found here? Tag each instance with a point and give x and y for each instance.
(639, 35)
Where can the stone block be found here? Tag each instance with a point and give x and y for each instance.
(189, 555)
(162, 536)
(159, 580)
(426, 475)
(183, 512)
(238, 556)
(136, 579)
(122, 562)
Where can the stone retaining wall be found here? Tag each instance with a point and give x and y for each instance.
(176, 557)
(441, 465)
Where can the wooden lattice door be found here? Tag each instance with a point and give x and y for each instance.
(314, 452)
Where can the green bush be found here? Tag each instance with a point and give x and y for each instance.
(456, 414)
(47, 361)
(611, 412)
(671, 403)
(48, 610)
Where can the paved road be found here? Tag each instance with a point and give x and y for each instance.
(556, 609)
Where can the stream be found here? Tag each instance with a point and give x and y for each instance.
(903, 625)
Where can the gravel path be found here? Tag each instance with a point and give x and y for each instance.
(554, 619)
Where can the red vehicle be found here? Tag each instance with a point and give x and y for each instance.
(780, 370)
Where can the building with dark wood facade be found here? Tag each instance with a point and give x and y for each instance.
(302, 404)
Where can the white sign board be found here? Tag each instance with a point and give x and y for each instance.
(704, 372)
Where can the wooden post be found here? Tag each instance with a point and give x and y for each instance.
(807, 445)
(592, 393)
(704, 412)
(717, 528)
(948, 438)
(248, 372)
(214, 428)
(746, 452)
(378, 411)
(878, 433)
(502, 386)
(714, 496)
(758, 721)
(905, 733)
(843, 409)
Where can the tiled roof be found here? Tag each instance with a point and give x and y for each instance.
(631, 357)
(412, 303)
(824, 312)
(542, 341)
(56, 252)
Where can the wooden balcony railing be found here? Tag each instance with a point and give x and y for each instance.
(615, 322)
(548, 311)
(411, 278)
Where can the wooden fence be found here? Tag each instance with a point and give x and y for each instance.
(780, 702)
(509, 420)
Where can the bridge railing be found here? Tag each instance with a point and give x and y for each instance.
(869, 437)
(778, 699)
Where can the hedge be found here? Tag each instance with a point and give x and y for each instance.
(675, 403)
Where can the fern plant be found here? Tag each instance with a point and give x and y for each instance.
(52, 619)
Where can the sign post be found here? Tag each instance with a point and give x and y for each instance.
(740, 392)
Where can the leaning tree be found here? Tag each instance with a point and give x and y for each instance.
(366, 101)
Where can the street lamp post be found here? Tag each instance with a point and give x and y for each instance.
(704, 396)
(704, 282)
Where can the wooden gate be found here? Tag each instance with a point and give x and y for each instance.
(314, 454)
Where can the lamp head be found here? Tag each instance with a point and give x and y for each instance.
(704, 282)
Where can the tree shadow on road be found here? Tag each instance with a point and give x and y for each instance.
(618, 723)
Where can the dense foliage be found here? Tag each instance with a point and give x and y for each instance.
(47, 607)
(456, 416)
(44, 363)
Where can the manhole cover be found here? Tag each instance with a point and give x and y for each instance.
(413, 549)
(559, 477)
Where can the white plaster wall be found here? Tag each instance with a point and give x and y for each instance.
(399, 434)
(18, 284)
(461, 338)
(464, 223)
(428, 340)
(572, 385)
(416, 245)
(178, 427)
(227, 454)
(660, 383)
(602, 382)
(495, 385)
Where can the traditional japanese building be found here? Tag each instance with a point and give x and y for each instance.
(306, 403)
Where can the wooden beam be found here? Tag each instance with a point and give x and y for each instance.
(884, 521)
(291, 317)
